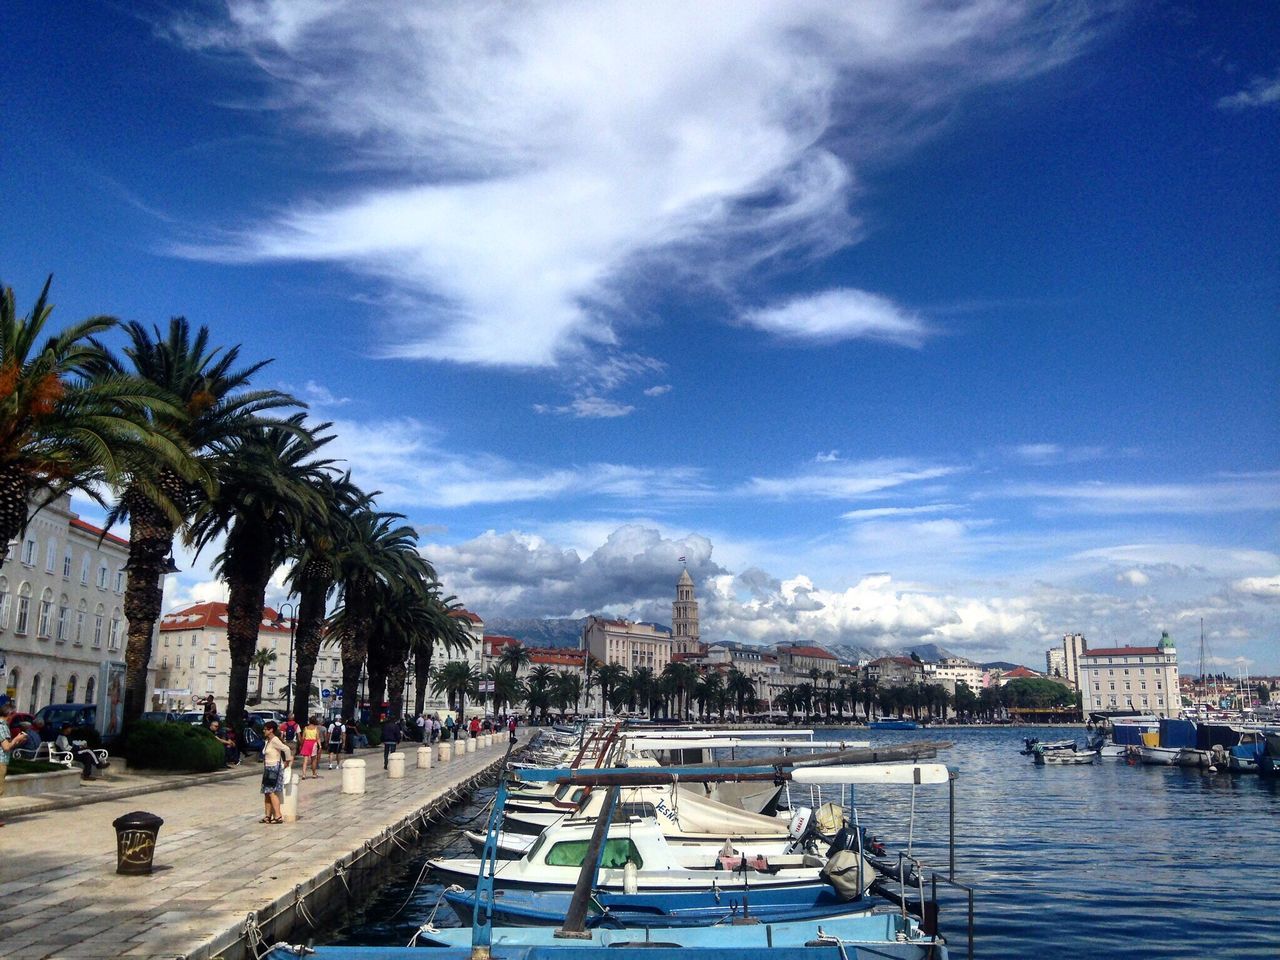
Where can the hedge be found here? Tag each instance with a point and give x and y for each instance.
(153, 745)
(17, 766)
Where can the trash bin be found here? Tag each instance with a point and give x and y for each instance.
(136, 841)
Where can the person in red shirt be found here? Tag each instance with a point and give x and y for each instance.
(474, 727)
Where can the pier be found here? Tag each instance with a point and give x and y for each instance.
(223, 884)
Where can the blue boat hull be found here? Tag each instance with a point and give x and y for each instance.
(652, 950)
(524, 908)
(893, 725)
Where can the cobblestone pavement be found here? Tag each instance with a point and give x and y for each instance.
(61, 898)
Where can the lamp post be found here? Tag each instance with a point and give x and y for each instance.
(293, 622)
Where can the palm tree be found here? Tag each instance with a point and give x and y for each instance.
(541, 680)
(589, 666)
(683, 677)
(740, 687)
(215, 409)
(869, 689)
(66, 421)
(804, 694)
(507, 690)
(441, 627)
(829, 677)
(842, 696)
(788, 701)
(514, 656)
(456, 679)
(262, 658)
(644, 688)
(608, 678)
(265, 491)
(707, 692)
(567, 687)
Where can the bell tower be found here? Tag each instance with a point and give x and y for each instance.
(684, 617)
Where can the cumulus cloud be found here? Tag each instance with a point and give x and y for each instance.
(513, 166)
(658, 390)
(836, 315)
(1262, 91)
(1133, 577)
(845, 480)
(1261, 588)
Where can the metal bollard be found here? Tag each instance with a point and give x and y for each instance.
(289, 805)
(395, 766)
(471, 744)
(445, 751)
(353, 775)
(424, 758)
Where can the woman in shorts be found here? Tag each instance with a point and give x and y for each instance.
(309, 748)
(336, 732)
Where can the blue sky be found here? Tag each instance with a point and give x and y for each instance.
(922, 322)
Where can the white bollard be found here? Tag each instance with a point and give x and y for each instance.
(395, 766)
(424, 758)
(445, 752)
(471, 744)
(289, 805)
(487, 741)
(353, 775)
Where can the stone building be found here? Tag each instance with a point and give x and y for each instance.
(798, 660)
(631, 644)
(1142, 679)
(62, 624)
(894, 671)
(684, 617)
(950, 671)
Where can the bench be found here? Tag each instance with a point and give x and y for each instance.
(67, 758)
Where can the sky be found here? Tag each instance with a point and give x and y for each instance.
(917, 322)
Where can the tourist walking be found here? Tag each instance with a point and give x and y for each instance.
(289, 730)
(448, 726)
(309, 747)
(8, 743)
(435, 727)
(511, 727)
(275, 757)
(337, 733)
(390, 739)
(474, 727)
(421, 724)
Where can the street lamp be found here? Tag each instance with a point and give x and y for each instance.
(279, 622)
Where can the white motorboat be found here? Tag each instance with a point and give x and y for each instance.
(1066, 758)
(1159, 756)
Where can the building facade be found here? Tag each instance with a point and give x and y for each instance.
(1055, 663)
(799, 660)
(626, 642)
(952, 670)
(1142, 679)
(1073, 648)
(894, 671)
(684, 617)
(62, 624)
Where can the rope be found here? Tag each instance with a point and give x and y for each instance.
(341, 872)
(253, 934)
(300, 908)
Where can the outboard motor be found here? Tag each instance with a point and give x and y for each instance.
(799, 830)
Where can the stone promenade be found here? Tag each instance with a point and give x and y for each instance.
(215, 863)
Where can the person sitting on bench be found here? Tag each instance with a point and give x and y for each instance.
(80, 750)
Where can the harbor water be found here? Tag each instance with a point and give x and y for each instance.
(1069, 862)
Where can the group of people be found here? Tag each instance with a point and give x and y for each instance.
(31, 735)
(432, 729)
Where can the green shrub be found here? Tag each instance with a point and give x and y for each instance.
(374, 732)
(172, 746)
(17, 766)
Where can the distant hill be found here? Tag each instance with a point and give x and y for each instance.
(537, 632)
(1000, 665)
(928, 651)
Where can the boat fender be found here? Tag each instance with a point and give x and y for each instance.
(630, 878)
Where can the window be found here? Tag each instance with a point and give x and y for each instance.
(66, 567)
(80, 615)
(1144, 684)
(271, 684)
(35, 692)
(29, 555)
(213, 642)
(90, 687)
(164, 662)
(1112, 686)
(1127, 687)
(102, 576)
(1159, 685)
(72, 684)
(64, 616)
(84, 569)
(1126, 673)
(24, 609)
(179, 639)
(213, 661)
(208, 686)
(51, 559)
(166, 640)
(6, 603)
(97, 630)
(120, 580)
(1097, 687)
(44, 623)
(113, 642)
(193, 661)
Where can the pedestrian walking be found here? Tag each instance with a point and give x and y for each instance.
(337, 734)
(8, 743)
(390, 739)
(511, 727)
(474, 727)
(275, 757)
(448, 726)
(309, 747)
(421, 724)
(435, 727)
(289, 731)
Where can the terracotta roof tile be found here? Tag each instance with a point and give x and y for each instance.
(97, 532)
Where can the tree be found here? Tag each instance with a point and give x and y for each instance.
(707, 692)
(788, 701)
(966, 700)
(506, 689)
(683, 677)
(441, 626)
(213, 409)
(542, 679)
(608, 678)
(870, 691)
(457, 680)
(567, 690)
(804, 695)
(829, 678)
(262, 658)
(644, 688)
(589, 666)
(740, 687)
(514, 656)
(264, 491)
(1264, 693)
(66, 421)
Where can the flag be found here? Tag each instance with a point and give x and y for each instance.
(683, 559)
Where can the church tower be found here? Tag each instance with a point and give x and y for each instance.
(684, 617)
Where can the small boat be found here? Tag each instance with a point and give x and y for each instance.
(1033, 745)
(1159, 756)
(1065, 758)
(894, 724)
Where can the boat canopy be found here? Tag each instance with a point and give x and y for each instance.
(1177, 733)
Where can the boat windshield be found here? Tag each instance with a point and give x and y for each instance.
(570, 853)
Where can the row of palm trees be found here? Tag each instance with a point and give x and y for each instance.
(169, 434)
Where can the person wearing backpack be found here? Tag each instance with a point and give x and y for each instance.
(337, 733)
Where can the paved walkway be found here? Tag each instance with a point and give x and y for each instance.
(60, 896)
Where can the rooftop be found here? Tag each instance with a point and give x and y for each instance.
(799, 651)
(1122, 652)
(88, 527)
(213, 615)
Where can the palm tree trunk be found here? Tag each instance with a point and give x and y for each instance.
(306, 642)
(421, 676)
(354, 648)
(377, 687)
(395, 683)
(15, 496)
(244, 617)
(150, 543)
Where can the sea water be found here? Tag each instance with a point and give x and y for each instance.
(1069, 862)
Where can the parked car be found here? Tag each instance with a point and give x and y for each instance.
(160, 716)
(259, 717)
(193, 717)
(76, 714)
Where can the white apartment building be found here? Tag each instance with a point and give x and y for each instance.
(1055, 663)
(1144, 679)
(1073, 648)
(62, 625)
(192, 659)
(952, 670)
(631, 644)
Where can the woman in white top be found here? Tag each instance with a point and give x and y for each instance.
(275, 758)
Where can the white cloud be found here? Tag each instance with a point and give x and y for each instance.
(840, 315)
(829, 456)
(1260, 588)
(844, 480)
(658, 390)
(1048, 454)
(884, 513)
(587, 408)
(1225, 495)
(513, 165)
(1261, 92)
(1133, 577)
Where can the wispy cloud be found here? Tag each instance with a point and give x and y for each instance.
(658, 390)
(515, 165)
(1051, 454)
(585, 408)
(836, 315)
(1229, 495)
(886, 513)
(1262, 91)
(844, 480)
